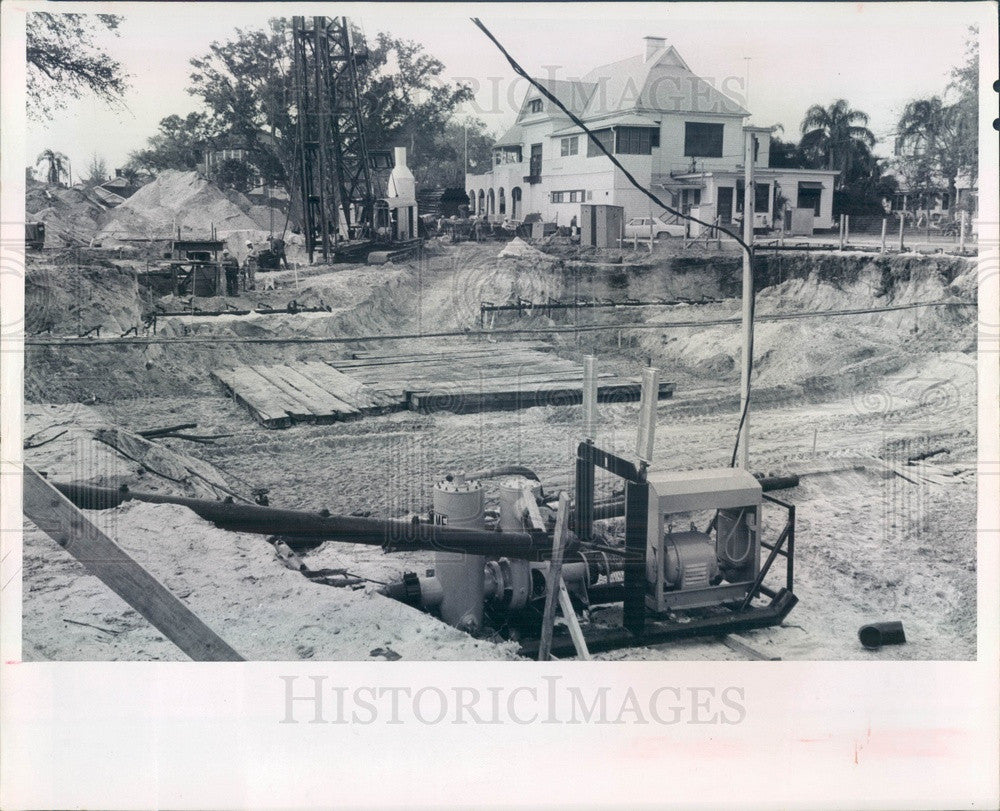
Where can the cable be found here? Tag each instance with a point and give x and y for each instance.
(480, 333)
(593, 138)
(748, 249)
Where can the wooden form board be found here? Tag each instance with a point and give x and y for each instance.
(58, 518)
(462, 379)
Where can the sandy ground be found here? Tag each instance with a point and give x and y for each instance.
(871, 544)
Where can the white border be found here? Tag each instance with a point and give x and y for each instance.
(821, 735)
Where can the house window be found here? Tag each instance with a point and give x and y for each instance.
(809, 196)
(762, 197)
(535, 165)
(507, 154)
(569, 146)
(535, 106)
(636, 140)
(606, 138)
(702, 140)
(568, 196)
(502, 204)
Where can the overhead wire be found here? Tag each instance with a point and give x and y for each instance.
(748, 249)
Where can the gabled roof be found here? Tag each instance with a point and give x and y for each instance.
(662, 83)
(574, 94)
(513, 137)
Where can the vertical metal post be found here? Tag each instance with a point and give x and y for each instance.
(589, 396)
(841, 232)
(884, 224)
(747, 365)
(584, 523)
(847, 229)
(636, 529)
(902, 221)
(790, 549)
(961, 231)
(321, 100)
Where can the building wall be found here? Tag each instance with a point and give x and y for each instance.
(789, 179)
(670, 156)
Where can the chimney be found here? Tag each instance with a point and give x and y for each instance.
(401, 182)
(654, 44)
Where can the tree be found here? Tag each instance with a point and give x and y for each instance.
(830, 137)
(57, 165)
(234, 174)
(461, 146)
(929, 139)
(785, 154)
(178, 145)
(937, 139)
(97, 170)
(246, 85)
(64, 62)
(965, 84)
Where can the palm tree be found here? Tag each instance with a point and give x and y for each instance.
(836, 135)
(57, 165)
(930, 133)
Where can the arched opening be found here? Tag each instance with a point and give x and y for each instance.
(515, 204)
(502, 207)
(472, 201)
(481, 208)
(491, 205)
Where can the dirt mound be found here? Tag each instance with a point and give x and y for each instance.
(71, 217)
(185, 201)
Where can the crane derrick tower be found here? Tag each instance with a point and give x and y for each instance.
(334, 172)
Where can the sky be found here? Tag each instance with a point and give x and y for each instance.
(877, 56)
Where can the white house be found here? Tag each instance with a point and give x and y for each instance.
(674, 132)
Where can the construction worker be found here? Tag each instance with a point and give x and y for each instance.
(250, 268)
(277, 247)
(232, 270)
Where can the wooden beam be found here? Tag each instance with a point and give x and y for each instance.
(553, 581)
(58, 518)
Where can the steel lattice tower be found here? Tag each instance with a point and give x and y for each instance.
(334, 173)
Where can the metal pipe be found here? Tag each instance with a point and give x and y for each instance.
(312, 529)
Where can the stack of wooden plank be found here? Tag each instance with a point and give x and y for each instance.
(457, 378)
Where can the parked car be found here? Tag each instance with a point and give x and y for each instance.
(641, 227)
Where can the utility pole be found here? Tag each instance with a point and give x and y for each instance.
(749, 194)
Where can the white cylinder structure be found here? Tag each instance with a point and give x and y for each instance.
(460, 504)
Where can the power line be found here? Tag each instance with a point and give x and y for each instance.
(479, 333)
(748, 249)
(593, 138)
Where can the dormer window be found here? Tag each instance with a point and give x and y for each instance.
(535, 106)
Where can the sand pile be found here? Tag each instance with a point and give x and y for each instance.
(70, 216)
(188, 201)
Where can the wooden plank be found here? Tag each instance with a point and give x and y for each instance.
(258, 377)
(554, 578)
(465, 400)
(427, 378)
(321, 396)
(346, 388)
(441, 360)
(58, 518)
(312, 409)
(263, 409)
(298, 406)
(740, 645)
(570, 618)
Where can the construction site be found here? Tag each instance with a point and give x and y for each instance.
(400, 436)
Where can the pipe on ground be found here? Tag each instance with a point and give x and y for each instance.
(312, 529)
